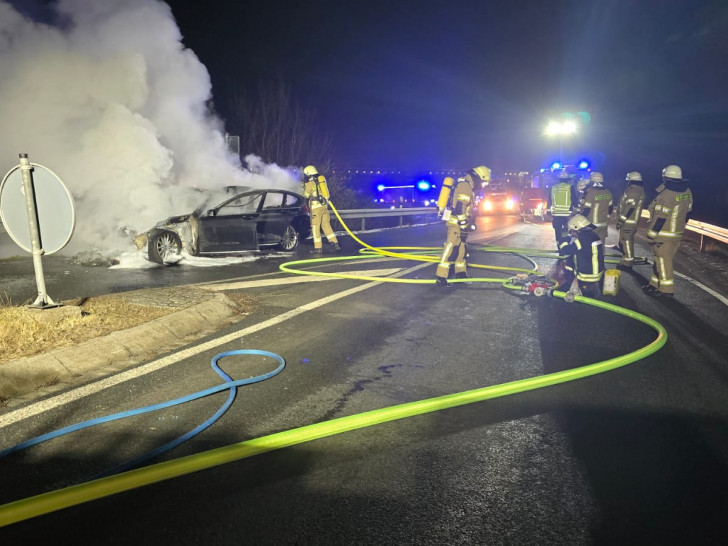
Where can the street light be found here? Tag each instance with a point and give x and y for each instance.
(561, 128)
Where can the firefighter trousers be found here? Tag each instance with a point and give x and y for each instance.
(321, 221)
(626, 241)
(663, 277)
(454, 247)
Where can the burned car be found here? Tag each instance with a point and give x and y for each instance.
(252, 220)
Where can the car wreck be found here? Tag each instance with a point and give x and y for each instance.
(248, 221)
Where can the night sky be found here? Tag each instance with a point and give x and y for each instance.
(430, 85)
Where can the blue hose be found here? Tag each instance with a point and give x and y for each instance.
(229, 384)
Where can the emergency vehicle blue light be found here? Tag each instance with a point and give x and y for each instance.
(424, 185)
(555, 165)
(583, 164)
(381, 187)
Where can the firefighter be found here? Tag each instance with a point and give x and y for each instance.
(669, 213)
(458, 216)
(317, 193)
(585, 254)
(597, 204)
(561, 205)
(629, 210)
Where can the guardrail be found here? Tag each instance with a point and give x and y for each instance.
(705, 230)
(363, 214)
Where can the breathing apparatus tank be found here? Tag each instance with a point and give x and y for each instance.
(443, 200)
(322, 188)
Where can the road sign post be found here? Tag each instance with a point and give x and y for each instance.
(43, 300)
(49, 217)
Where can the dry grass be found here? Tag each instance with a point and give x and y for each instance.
(21, 335)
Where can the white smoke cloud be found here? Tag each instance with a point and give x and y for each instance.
(114, 104)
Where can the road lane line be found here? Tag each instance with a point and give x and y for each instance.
(710, 291)
(299, 279)
(93, 388)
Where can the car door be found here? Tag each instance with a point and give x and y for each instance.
(272, 220)
(231, 226)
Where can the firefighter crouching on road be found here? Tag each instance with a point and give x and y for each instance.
(317, 193)
(669, 213)
(597, 204)
(586, 256)
(561, 206)
(456, 206)
(629, 211)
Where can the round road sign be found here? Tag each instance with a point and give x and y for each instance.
(54, 204)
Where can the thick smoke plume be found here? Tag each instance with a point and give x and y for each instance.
(110, 100)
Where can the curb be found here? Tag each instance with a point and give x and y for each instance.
(130, 346)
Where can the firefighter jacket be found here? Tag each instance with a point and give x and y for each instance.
(463, 203)
(669, 212)
(630, 206)
(588, 253)
(312, 192)
(560, 199)
(597, 205)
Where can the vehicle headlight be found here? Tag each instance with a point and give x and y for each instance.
(487, 205)
(510, 204)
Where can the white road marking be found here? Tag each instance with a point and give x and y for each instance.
(710, 291)
(300, 278)
(93, 388)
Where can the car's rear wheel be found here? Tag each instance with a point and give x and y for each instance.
(164, 247)
(290, 239)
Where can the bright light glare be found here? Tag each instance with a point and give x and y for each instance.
(567, 127)
(510, 204)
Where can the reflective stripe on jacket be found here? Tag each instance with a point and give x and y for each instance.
(598, 200)
(310, 192)
(561, 199)
(588, 255)
(630, 204)
(462, 203)
(672, 207)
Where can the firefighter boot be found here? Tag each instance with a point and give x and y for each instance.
(337, 248)
(441, 283)
(317, 251)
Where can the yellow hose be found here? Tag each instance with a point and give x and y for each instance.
(70, 496)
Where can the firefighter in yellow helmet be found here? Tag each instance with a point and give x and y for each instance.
(669, 213)
(585, 256)
(457, 209)
(629, 211)
(597, 204)
(317, 193)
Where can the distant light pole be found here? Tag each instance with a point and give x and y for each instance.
(561, 128)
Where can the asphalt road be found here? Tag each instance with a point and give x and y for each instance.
(634, 456)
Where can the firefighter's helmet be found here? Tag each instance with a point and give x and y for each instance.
(564, 176)
(578, 222)
(483, 173)
(582, 184)
(672, 172)
(596, 179)
(310, 171)
(634, 176)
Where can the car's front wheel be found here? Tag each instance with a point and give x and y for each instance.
(164, 247)
(289, 240)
